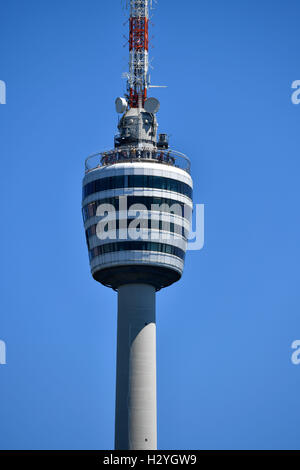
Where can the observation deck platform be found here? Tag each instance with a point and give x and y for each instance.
(137, 154)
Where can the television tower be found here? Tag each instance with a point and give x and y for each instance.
(137, 206)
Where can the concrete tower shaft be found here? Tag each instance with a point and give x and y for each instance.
(136, 368)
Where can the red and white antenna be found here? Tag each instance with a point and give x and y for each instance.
(138, 79)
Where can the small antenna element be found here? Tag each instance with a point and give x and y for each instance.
(152, 105)
(121, 105)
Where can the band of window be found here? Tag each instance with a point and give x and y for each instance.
(136, 245)
(149, 224)
(90, 209)
(137, 181)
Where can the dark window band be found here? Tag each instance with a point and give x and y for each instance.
(90, 209)
(136, 245)
(137, 181)
(148, 224)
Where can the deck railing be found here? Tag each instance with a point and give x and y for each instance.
(134, 154)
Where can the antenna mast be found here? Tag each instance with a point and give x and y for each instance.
(138, 81)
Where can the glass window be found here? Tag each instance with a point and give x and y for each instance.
(139, 181)
(90, 209)
(136, 245)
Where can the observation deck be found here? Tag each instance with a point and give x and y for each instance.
(169, 157)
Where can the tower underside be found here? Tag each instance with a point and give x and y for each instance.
(155, 276)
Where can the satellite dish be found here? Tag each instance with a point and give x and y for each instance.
(121, 105)
(152, 105)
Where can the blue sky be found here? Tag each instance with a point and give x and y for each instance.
(224, 332)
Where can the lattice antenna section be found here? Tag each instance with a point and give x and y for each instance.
(138, 52)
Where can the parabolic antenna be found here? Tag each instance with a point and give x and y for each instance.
(152, 105)
(121, 105)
